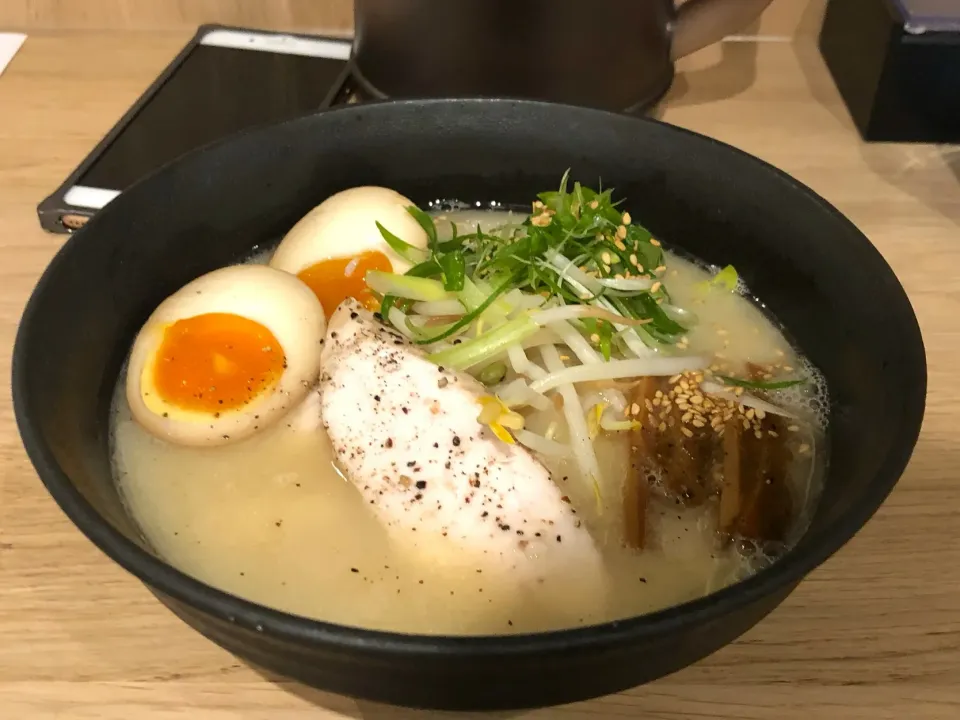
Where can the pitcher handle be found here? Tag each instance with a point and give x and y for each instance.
(703, 22)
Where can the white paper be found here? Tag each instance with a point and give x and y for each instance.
(9, 45)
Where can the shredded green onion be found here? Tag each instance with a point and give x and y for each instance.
(405, 286)
(725, 279)
(491, 343)
(493, 373)
(576, 247)
(401, 247)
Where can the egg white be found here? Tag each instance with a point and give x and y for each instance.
(344, 225)
(275, 299)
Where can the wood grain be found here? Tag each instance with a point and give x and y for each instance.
(176, 14)
(872, 635)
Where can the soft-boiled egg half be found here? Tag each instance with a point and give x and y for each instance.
(226, 355)
(334, 245)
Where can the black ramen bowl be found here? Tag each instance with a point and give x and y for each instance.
(836, 297)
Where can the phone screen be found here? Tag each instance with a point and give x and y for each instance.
(214, 92)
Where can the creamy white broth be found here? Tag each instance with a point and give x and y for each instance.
(272, 520)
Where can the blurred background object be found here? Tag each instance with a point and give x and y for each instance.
(9, 45)
(897, 66)
(324, 16)
(618, 55)
(613, 54)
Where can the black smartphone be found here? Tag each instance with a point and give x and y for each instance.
(224, 81)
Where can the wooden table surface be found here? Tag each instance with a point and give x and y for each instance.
(873, 634)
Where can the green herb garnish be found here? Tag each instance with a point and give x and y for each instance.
(576, 246)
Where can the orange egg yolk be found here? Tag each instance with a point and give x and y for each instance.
(216, 362)
(337, 279)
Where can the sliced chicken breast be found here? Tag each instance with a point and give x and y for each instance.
(405, 432)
